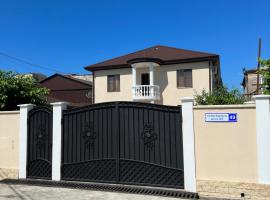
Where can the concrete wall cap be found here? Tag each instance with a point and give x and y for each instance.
(233, 106)
(26, 105)
(9, 112)
(261, 97)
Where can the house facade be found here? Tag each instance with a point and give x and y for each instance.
(159, 74)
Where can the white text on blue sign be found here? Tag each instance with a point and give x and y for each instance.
(221, 117)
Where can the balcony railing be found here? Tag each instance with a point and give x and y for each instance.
(146, 92)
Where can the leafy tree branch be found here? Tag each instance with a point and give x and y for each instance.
(220, 96)
(17, 89)
(265, 72)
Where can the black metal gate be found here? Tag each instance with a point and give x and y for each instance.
(124, 142)
(39, 152)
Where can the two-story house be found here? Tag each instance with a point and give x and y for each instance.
(159, 74)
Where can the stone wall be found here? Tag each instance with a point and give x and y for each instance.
(232, 190)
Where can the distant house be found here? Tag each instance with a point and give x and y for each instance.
(76, 91)
(159, 74)
(249, 83)
(37, 76)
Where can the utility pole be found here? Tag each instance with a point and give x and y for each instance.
(258, 66)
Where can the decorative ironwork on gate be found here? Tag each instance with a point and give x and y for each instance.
(89, 134)
(149, 136)
(39, 152)
(41, 135)
(124, 142)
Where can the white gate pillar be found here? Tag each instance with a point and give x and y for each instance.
(188, 144)
(24, 109)
(58, 108)
(263, 137)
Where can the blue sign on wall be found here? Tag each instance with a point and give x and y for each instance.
(221, 117)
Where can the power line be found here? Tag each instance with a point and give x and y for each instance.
(30, 63)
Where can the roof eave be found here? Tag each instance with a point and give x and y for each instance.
(168, 62)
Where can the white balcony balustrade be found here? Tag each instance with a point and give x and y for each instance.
(146, 92)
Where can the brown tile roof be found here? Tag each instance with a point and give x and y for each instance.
(167, 55)
(67, 76)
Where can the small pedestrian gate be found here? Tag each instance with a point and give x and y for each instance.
(123, 142)
(39, 140)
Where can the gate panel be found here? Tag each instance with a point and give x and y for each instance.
(89, 145)
(151, 151)
(124, 142)
(39, 153)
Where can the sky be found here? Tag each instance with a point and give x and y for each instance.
(66, 35)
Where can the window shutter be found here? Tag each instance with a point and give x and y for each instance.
(113, 83)
(117, 83)
(180, 78)
(188, 78)
(184, 78)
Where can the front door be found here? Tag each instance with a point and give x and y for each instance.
(39, 152)
(145, 80)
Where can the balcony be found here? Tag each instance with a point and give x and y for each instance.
(146, 92)
(146, 89)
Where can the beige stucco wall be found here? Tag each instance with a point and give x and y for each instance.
(226, 151)
(9, 139)
(164, 76)
(101, 94)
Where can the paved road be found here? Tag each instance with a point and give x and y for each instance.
(27, 192)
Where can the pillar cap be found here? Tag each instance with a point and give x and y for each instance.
(59, 103)
(187, 99)
(261, 97)
(29, 105)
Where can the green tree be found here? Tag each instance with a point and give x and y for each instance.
(220, 96)
(265, 72)
(17, 89)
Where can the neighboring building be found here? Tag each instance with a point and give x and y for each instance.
(76, 92)
(249, 83)
(85, 77)
(160, 74)
(37, 76)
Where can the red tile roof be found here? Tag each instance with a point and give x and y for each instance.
(167, 55)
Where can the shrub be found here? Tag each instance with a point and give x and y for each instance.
(220, 96)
